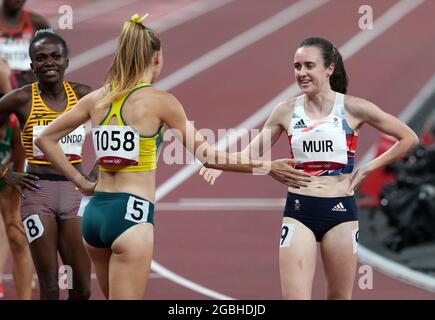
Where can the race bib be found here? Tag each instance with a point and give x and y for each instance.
(287, 230)
(321, 147)
(116, 145)
(137, 210)
(71, 144)
(16, 51)
(33, 227)
(355, 235)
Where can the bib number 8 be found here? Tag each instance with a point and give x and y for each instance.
(33, 227)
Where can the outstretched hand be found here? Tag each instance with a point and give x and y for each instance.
(283, 170)
(21, 180)
(210, 175)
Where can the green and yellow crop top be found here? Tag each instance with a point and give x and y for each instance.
(121, 148)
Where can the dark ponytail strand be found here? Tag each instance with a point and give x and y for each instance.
(339, 79)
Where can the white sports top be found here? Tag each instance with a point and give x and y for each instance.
(322, 146)
(14, 44)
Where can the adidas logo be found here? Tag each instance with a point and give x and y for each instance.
(300, 124)
(339, 207)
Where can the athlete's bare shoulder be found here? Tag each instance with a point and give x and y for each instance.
(152, 92)
(93, 97)
(22, 95)
(282, 112)
(286, 106)
(80, 89)
(358, 107)
(154, 96)
(17, 101)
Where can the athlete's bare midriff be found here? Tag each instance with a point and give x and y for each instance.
(141, 184)
(325, 186)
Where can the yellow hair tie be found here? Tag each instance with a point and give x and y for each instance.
(136, 19)
(2, 175)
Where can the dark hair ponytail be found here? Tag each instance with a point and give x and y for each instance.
(338, 80)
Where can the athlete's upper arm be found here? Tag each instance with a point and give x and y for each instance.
(174, 116)
(277, 120)
(172, 112)
(82, 90)
(270, 133)
(13, 102)
(367, 112)
(71, 119)
(5, 72)
(17, 152)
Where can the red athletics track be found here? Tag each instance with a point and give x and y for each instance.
(235, 253)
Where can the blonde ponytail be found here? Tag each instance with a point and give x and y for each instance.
(133, 56)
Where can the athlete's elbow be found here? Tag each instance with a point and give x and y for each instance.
(39, 142)
(409, 142)
(414, 140)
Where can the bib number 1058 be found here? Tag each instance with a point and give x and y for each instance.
(114, 140)
(116, 145)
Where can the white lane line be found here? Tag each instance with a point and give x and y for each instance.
(223, 204)
(367, 256)
(408, 112)
(396, 270)
(91, 10)
(240, 42)
(170, 275)
(388, 19)
(165, 23)
(393, 14)
(418, 100)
